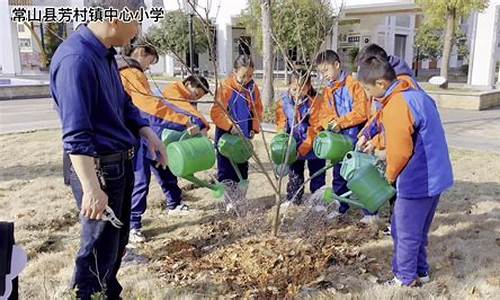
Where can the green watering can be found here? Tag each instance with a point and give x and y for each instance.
(279, 146)
(332, 146)
(237, 149)
(353, 161)
(368, 190)
(169, 136)
(188, 156)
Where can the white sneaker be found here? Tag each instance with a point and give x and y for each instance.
(424, 277)
(387, 230)
(132, 258)
(181, 209)
(394, 282)
(370, 219)
(136, 236)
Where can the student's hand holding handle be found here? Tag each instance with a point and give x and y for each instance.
(381, 155)
(365, 146)
(234, 130)
(155, 146)
(360, 144)
(334, 126)
(193, 130)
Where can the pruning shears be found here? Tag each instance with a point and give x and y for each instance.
(109, 215)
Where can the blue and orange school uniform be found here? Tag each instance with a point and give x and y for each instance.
(303, 118)
(174, 112)
(403, 73)
(418, 162)
(344, 102)
(244, 106)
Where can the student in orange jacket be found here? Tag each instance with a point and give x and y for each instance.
(238, 98)
(403, 73)
(297, 112)
(343, 109)
(176, 111)
(418, 163)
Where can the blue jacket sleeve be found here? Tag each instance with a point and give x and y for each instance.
(371, 131)
(133, 117)
(71, 86)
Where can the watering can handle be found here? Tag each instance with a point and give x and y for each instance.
(183, 136)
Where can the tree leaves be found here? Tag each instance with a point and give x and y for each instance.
(430, 35)
(300, 24)
(172, 34)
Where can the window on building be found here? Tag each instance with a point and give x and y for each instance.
(403, 21)
(20, 27)
(24, 43)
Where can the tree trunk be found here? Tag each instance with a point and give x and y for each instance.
(448, 42)
(267, 47)
(286, 71)
(38, 41)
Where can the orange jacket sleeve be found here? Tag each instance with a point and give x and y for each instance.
(358, 115)
(325, 113)
(179, 97)
(280, 116)
(137, 86)
(398, 124)
(314, 128)
(218, 112)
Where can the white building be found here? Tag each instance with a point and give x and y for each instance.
(390, 23)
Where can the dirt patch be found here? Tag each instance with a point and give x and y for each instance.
(264, 266)
(209, 253)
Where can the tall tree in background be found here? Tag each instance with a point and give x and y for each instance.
(446, 14)
(171, 36)
(267, 51)
(301, 25)
(54, 35)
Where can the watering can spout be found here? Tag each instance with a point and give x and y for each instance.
(217, 189)
(329, 196)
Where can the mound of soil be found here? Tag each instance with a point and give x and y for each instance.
(232, 261)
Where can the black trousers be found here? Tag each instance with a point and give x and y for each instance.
(102, 245)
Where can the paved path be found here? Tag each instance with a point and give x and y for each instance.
(475, 130)
(27, 114)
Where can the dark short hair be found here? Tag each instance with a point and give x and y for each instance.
(303, 77)
(374, 68)
(371, 50)
(198, 82)
(327, 57)
(149, 50)
(243, 60)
